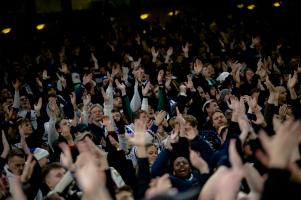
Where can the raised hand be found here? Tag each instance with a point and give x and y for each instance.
(155, 54)
(185, 49)
(38, 106)
(160, 117)
(66, 157)
(138, 137)
(17, 85)
(121, 87)
(198, 162)
(169, 52)
(145, 89)
(28, 168)
(45, 75)
(224, 183)
(198, 67)
(279, 148)
(64, 68)
(90, 166)
(292, 81)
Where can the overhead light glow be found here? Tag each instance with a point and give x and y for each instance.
(40, 26)
(6, 30)
(144, 16)
(177, 12)
(170, 13)
(251, 7)
(240, 5)
(277, 4)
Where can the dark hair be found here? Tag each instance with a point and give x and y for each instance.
(22, 120)
(137, 114)
(46, 170)
(15, 152)
(125, 188)
(57, 123)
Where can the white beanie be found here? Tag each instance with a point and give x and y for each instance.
(40, 153)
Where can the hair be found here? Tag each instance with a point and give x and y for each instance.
(22, 121)
(96, 106)
(217, 111)
(173, 121)
(51, 93)
(191, 120)
(51, 166)
(137, 114)
(57, 123)
(15, 152)
(124, 188)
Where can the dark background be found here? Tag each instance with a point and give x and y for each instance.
(88, 17)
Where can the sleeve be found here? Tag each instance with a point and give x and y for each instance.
(16, 103)
(136, 100)
(109, 105)
(126, 108)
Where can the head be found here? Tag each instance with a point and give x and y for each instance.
(62, 126)
(25, 126)
(124, 193)
(181, 168)
(190, 127)
(218, 119)
(249, 74)
(282, 94)
(152, 153)
(142, 115)
(210, 107)
(206, 71)
(96, 113)
(24, 103)
(16, 161)
(52, 174)
(117, 102)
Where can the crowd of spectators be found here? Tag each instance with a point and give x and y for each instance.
(198, 111)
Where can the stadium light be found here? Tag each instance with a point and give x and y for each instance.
(6, 30)
(40, 27)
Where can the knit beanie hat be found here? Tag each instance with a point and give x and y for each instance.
(40, 153)
(223, 93)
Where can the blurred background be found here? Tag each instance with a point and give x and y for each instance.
(23, 22)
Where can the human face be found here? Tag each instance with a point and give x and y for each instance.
(282, 94)
(212, 108)
(116, 116)
(64, 127)
(117, 102)
(249, 75)
(54, 177)
(152, 154)
(218, 120)
(143, 116)
(24, 102)
(206, 72)
(190, 132)
(96, 114)
(16, 165)
(27, 128)
(181, 167)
